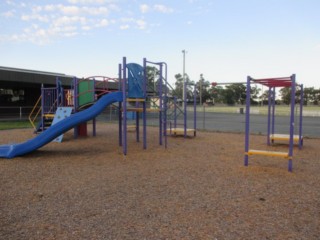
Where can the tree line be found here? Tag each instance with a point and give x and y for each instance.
(230, 94)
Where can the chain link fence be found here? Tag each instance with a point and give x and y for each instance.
(208, 118)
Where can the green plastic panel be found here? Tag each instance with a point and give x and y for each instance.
(86, 92)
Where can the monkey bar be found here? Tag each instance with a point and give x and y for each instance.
(272, 83)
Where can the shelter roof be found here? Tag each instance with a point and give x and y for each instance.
(275, 82)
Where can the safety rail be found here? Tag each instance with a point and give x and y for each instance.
(35, 112)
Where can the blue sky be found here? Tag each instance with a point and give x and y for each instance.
(225, 40)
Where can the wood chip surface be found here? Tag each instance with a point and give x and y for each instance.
(197, 188)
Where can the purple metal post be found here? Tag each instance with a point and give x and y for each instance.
(57, 93)
(273, 104)
(301, 116)
(94, 99)
(185, 109)
(293, 94)
(42, 106)
(194, 111)
(269, 115)
(175, 112)
(162, 102)
(165, 106)
(75, 104)
(75, 94)
(161, 105)
(144, 106)
(137, 123)
(247, 130)
(124, 111)
(120, 105)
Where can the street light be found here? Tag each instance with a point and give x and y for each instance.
(201, 81)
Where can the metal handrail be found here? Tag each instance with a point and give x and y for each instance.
(31, 118)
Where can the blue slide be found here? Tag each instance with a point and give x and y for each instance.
(14, 150)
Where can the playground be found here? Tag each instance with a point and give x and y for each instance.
(82, 177)
(196, 188)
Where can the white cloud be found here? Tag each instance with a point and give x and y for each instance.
(41, 33)
(50, 8)
(36, 9)
(37, 17)
(114, 7)
(162, 9)
(70, 34)
(124, 27)
(86, 28)
(66, 20)
(127, 20)
(141, 24)
(45, 23)
(102, 23)
(95, 11)
(144, 8)
(70, 10)
(75, 10)
(9, 2)
(89, 1)
(9, 14)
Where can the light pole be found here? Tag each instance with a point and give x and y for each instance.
(201, 81)
(184, 79)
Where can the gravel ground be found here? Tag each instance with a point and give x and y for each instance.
(197, 188)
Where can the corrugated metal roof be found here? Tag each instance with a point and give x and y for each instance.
(19, 75)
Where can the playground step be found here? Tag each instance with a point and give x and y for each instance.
(284, 137)
(141, 110)
(180, 131)
(268, 153)
(47, 121)
(136, 99)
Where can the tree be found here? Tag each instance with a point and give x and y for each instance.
(311, 95)
(285, 94)
(235, 93)
(202, 89)
(254, 92)
(152, 77)
(264, 97)
(216, 93)
(316, 96)
(178, 91)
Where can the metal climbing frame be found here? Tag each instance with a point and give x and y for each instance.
(133, 78)
(272, 83)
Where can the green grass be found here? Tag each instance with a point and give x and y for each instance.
(4, 125)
